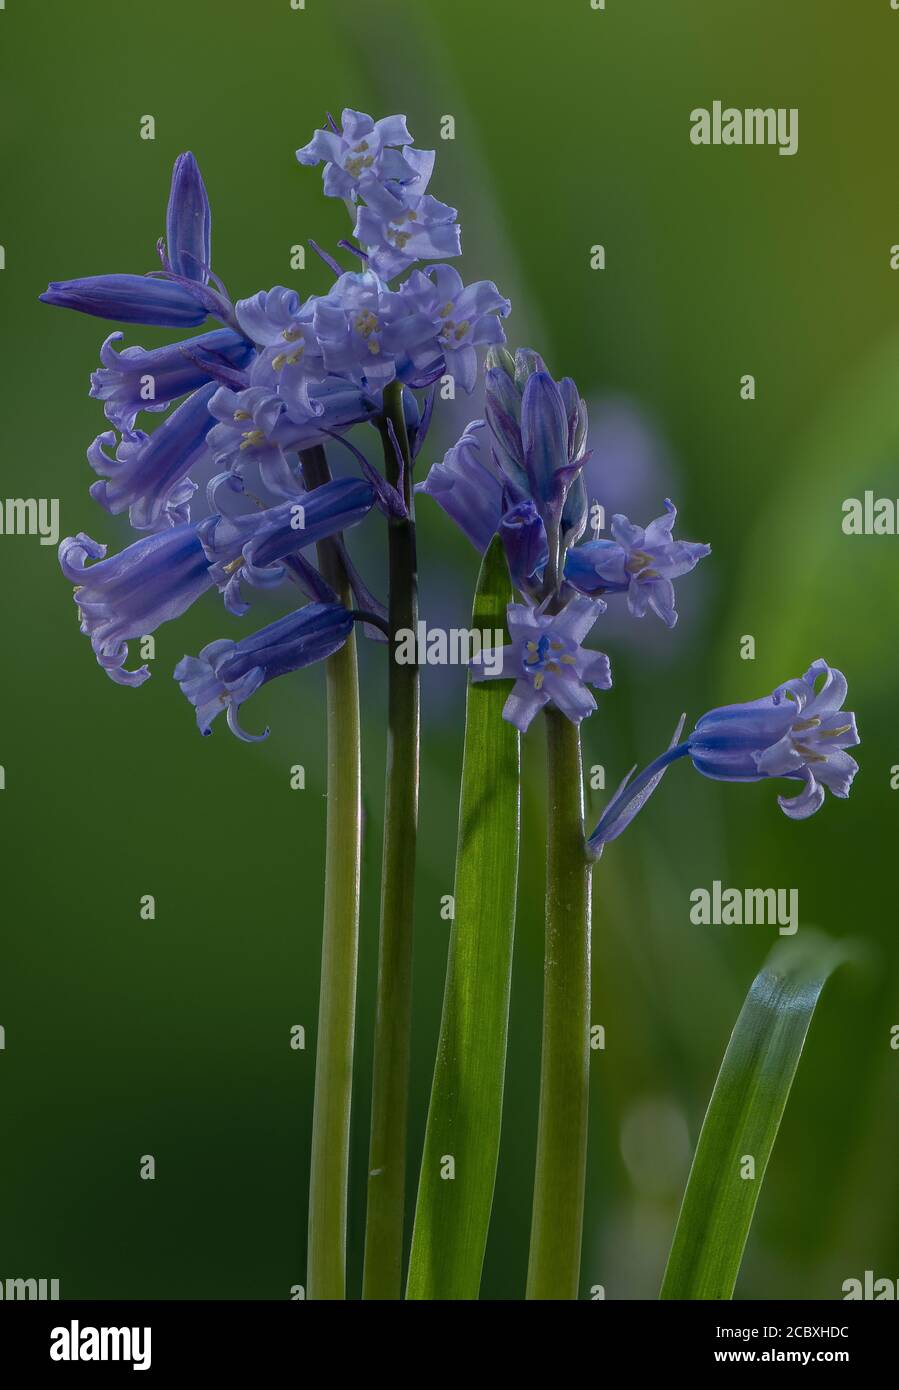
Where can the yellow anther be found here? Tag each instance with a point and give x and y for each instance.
(835, 733)
(290, 335)
(462, 329)
(366, 323)
(538, 680)
(809, 753)
(446, 310)
(252, 438)
(242, 415)
(808, 723)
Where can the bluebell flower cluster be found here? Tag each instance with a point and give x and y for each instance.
(242, 402)
(518, 473)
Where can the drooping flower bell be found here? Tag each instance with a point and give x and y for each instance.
(227, 673)
(149, 475)
(137, 379)
(131, 594)
(252, 547)
(548, 662)
(800, 732)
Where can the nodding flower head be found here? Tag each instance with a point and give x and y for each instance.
(122, 381)
(800, 732)
(131, 594)
(226, 673)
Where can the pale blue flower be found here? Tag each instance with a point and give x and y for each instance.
(548, 663)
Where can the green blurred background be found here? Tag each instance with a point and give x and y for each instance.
(125, 1038)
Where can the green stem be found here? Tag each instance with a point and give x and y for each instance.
(326, 1273)
(382, 1272)
(558, 1211)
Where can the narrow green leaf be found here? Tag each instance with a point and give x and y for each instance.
(452, 1216)
(744, 1115)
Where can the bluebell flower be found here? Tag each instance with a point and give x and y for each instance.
(399, 226)
(468, 487)
(131, 594)
(372, 335)
(145, 299)
(252, 547)
(227, 673)
(548, 662)
(149, 475)
(188, 223)
(641, 563)
(281, 324)
(800, 732)
(259, 426)
(123, 380)
(364, 148)
(465, 317)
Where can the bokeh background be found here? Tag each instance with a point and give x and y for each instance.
(125, 1038)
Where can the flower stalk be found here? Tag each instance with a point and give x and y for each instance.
(326, 1268)
(382, 1272)
(558, 1209)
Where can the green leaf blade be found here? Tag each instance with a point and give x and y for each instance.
(452, 1215)
(744, 1115)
